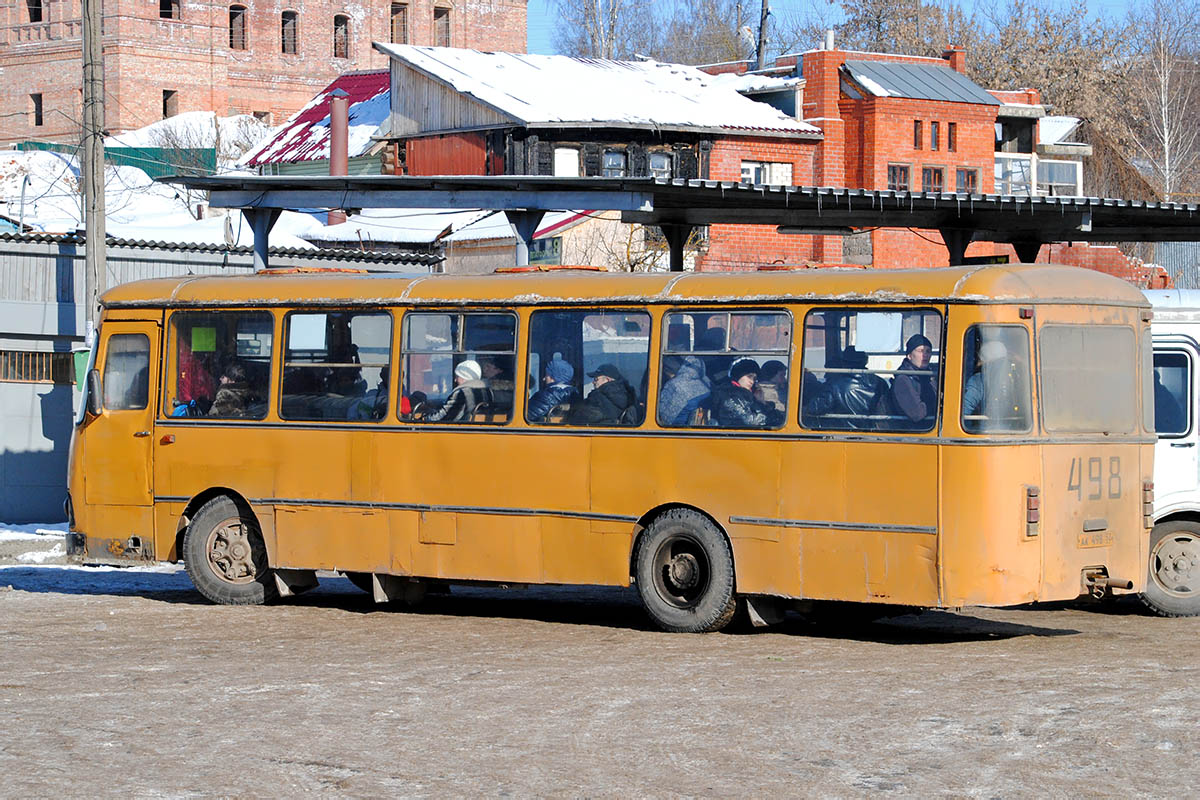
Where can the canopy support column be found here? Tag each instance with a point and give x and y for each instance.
(1027, 250)
(525, 222)
(261, 221)
(676, 235)
(956, 242)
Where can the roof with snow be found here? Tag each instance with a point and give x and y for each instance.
(1055, 130)
(550, 91)
(305, 137)
(917, 82)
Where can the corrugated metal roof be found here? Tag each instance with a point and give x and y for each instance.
(560, 90)
(917, 82)
(1181, 260)
(305, 137)
(389, 257)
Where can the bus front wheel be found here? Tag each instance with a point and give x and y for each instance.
(224, 554)
(1173, 585)
(684, 572)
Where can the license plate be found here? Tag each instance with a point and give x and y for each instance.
(1096, 538)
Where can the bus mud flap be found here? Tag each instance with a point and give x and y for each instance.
(294, 581)
(764, 611)
(387, 588)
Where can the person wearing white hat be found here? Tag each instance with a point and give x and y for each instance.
(469, 393)
(988, 391)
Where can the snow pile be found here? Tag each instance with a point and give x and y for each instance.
(34, 531)
(41, 556)
(232, 136)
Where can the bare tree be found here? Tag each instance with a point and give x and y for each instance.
(1165, 86)
(709, 32)
(606, 28)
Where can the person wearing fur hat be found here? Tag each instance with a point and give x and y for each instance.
(733, 403)
(913, 397)
(469, 393)
(557, 390)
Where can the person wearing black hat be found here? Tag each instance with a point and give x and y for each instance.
(608, 402)
(913, 397)
(733, 403)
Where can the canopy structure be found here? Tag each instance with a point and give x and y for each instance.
(679, 205)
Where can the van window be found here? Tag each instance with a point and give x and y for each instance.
(856, 375)
(1172, 393)
(336, 366)
(127, 372)
(225, 353)
(995, 393)
(1087, 385)
(458, 367)
(587, 368)
(727, 369)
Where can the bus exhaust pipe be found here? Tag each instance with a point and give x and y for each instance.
(1098, 584)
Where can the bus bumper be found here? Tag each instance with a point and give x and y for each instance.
(84, 549)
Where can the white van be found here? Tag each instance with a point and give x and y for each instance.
(1173, 585)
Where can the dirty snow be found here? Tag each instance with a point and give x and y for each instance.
(543, 89)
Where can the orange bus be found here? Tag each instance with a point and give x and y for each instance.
(929, 438)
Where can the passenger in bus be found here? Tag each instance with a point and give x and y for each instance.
(499, 380)
(469, 393)
(684, 393)
(1169, 416)
(715, 366)
(234, 393)
(556, 392)
(195, 383)
(990, 389)
(913, 396)
(611, 401)
(733, 402)
(771, 387)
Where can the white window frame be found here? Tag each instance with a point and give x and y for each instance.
(767, 173)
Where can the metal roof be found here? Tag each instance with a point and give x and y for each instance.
(917, 81)
(326, 254)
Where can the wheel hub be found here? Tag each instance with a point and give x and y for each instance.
(1179, 565)
(685, 571)
(230, 553)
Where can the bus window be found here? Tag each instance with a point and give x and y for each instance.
(995, 396)
(335, 366)
(871, 370)
(458, 367)
(1086, 386)
(592, 367)
(127, 372)
(219, 355)
(1172, 397)
(728, 369)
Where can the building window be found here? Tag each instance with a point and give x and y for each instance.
(966, 181)
(341, 36)
(614, 164)
(170, 103)
(35, 9)
(933, 179)
(168, 9)
(441, 27)
(399, 23)
(36, 101)
(1014, 175)
(289, 32)
(917, 138)
(237, 27)
(952, 136)
(1059, 178)
(934, 135)
(771, 173)
(660, 165)
(27, 366)
(898, 177)
(1014, 135)
(566, 162)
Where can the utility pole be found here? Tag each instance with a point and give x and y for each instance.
(95, 245)
(761, 55)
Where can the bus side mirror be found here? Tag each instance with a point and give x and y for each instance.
(93, 392)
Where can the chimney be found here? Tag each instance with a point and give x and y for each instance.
(957, 58)
(829, 39)
(339, 135)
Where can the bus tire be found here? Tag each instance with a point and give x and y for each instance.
(1173, 583)
(224, 555)
(684, 571)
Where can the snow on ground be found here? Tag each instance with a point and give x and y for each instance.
(10, 532)
(232, 135)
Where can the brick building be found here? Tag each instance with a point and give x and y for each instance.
(244, 56)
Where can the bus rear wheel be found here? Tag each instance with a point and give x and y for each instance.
(1173, 585)
(224, 554)
(684, 571)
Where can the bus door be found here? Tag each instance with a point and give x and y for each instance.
(117, 457)
(1175, 459)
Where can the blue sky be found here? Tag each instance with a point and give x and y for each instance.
(542, 17)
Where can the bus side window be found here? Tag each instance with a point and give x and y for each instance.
(723, 368)
(221, 366)
(1172, 382)
(127, 372)
(458, 367)
(996, 396)
(335, 366)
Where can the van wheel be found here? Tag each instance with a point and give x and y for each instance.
(684, 571)
(1173, 585)
(224, 554)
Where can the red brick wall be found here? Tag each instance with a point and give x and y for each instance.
(145, 55)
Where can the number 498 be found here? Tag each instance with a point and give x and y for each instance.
(1093, 475)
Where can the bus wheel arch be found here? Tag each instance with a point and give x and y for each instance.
(682, 561)
(197, 502)
(224, 552)
(1173, 568)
